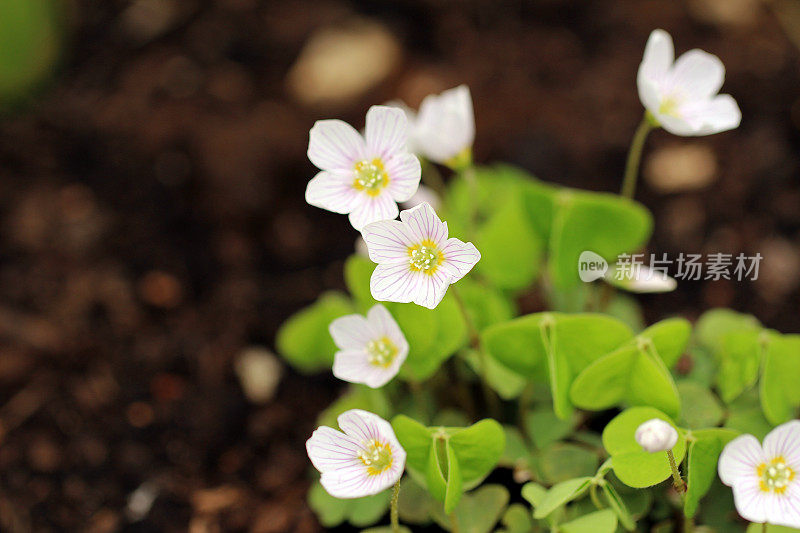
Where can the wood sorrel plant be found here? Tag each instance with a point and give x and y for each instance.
(448, 327)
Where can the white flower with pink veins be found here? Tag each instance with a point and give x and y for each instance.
(417, 261)
(362, 459)
(364, 177)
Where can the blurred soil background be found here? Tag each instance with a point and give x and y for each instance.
(155, 234)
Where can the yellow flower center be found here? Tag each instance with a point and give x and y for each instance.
(669, 106)
(376, 456)
(775, 475)
(425, 257)
(381, 352)
(370, 176)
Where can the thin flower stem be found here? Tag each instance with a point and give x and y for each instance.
(764, 527)
(635, 156)
(475, 343)
(393, 513)
(677, 480)
(595, 497)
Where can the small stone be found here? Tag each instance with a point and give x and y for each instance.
(259, 373)
(339, 64)
(679, 168)
(141, 501)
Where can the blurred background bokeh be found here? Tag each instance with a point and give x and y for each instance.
(155, 234)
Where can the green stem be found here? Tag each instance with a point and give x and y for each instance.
(595, 497)
(475, 343)
(635, 156)
(764, 527)
(394, 515)
(677, 480)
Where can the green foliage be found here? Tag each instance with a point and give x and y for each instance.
(304, 340)
(705, 446)
(603, 223)
(450, 460)
(356, 397)
(618, 506)
(517, 519)
(637, 373)
(563, 460)
(360, 512)
(701, 408)
(555, 347)
(604, 521)
(632, 465)
(561, 494)
(779, 392)
(30, 41)
(478, 511)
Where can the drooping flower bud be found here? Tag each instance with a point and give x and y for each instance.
(656, 435)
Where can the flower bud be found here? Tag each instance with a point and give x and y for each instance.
(656, 436)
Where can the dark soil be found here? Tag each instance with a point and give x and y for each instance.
(153, 225)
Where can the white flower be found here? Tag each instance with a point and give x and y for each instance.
(423, 194)
(641, 280)
(656, 435)
(765, 482)
(416, 260)
(411, 118)
(363, 459)
(363, 176)
(371, 349)
(682, 95)
(444, 129)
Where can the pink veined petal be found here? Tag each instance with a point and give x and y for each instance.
(784, 441)
(329, 449)
(404, 172)
(696, 74)
(332, 191)
(386, 131)
(385, 324)
(335, 145)
(659, 54)
(715, 115)
(373, 209)
(364, 426)
(351, 365)
(750, 500)
(446, 124)
(423, 224)
(387, 241)
(459, 258)
(740, 459)
(784, 510)
(431, 289)
(393, 282)
(352, 482)
(352, 332)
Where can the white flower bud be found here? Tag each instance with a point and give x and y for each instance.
(656, 436)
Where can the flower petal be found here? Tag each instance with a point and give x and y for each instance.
(696, 74)
(740, 459)
(335, 145)
(750, 500)
(459, 258)
(329, 449)
(404, 174)
(659, 54)
(784, 509)
(350, 482)
(370, 209)
(720, 113)
(424, 224)
(352, 332)
(446, 124)
(386, 131)
(393, 282)
(431, 288)
(353, 366)
(784, 441)
(387, 241)
(364, 426)
(332, 191)
(382, 321)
